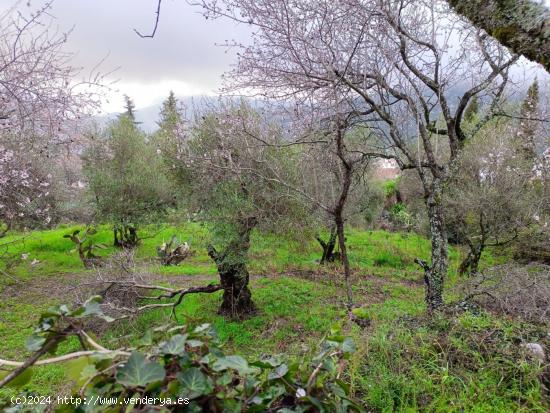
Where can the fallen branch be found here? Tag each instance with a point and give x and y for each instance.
(58, 359)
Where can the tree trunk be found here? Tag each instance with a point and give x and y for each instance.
(435, 273)
(328, 247)
(338, 211)
(345, 260)
(474, 266)
(521, 25)
(125, 236)
(231, 263)
(470, 264)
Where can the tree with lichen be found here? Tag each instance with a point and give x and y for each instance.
(521, 25)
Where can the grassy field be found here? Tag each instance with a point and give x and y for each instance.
(406, 362)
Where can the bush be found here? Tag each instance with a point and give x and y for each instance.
(518, 291)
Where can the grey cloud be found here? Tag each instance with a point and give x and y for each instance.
(183, 49)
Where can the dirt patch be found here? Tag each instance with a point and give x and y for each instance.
(73, 287)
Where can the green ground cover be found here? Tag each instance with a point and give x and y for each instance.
(405, 362)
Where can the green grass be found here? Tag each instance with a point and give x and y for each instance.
(467, 363)
(405, 362)
(380, 252)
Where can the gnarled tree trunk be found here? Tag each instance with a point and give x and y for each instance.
(436, 272)
(328, 247)
(338, 211)
(231, 263)
(125, 236)
(470, 264)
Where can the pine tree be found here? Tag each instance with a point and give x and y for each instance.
(130, 107)
(170, 116)
(168, 141)
(168, 138)
(528, 126)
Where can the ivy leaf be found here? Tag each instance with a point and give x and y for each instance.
(174, 346)
(233, 362)
(267, 362)
(194, 343)
(20, 380)
(139, 372)
(348, 345)
(147, 339)
(79, 368)
(279, 372)
(194, 383)
(92, 307)
(35, 342)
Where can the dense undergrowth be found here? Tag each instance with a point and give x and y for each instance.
(464, 361)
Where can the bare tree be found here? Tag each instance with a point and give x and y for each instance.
(341, 160)
(400, 64)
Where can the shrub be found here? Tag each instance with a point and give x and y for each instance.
(519, 291)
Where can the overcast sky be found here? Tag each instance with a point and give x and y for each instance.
(182, 56)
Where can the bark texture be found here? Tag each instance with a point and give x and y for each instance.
(234, 277)
(521, 25)
(435, 273)
(329, 255)
(338, 211)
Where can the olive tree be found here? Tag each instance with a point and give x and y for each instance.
(521, 25)
(239, 185)
(126, 179)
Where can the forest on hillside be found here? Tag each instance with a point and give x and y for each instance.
(359, 221)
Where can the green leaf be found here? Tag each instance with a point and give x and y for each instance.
(279, 372)
(92, 307)
(194, 383)
(80, 369)
(20, 380)
(267, 362)
(348, 345)
(139, 372)
(233, 362)
(35, 342)
(147, 339)
(174, 346)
